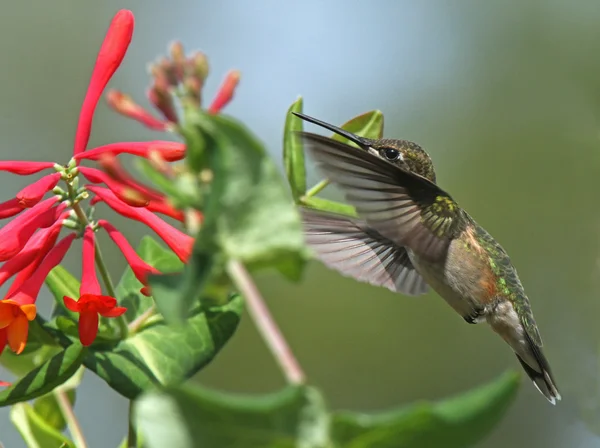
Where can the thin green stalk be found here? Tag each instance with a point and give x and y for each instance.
(265, 323)
(69, 415)
(131, 432)
(317, 188)
(138, 322)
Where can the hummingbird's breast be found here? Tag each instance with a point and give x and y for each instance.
(464, 278)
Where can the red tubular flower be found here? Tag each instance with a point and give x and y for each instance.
(110, 56)
(89, 307)
(140, 268)
(125, 105)
(91, 302)
(16, 233)
(33, 252)
(24, 168)
(14, 324)
(178, 242)
(164, 208)
(28, 291)
(10, 208)
(113, 168)
(89, 279)
(170, 151)
(225, 93)
(123, 192)
(33, 193)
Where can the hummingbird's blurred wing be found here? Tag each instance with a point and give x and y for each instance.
(402, 206)
(354, 250)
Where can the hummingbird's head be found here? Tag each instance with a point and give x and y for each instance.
(403, 153)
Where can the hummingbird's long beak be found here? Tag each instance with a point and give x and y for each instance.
(364, 143)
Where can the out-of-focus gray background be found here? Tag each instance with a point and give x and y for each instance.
(504, 95)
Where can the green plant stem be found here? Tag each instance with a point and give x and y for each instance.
(265, 323)
(131, 432)
(108, 283)
(317, 188)
(137, 323)
(73, 424)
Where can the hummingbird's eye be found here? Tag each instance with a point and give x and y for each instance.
(392, 154)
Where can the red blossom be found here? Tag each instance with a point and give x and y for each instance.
(140, 268)
(10, 208)
(110, 56)
(178, 242)
(125, 105)
(28, 291)
(170, 151)
(123, 192)
(113, 168)
(89, 279)
(14, 324)
(89, 307)
(225, 93)
(24, 168)
(15, 234)
(33, 253)
(33, 193)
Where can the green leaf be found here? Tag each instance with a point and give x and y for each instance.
(329, 206)
(257, 222)
(189, 417)
(46, 377)
(368, 125)
(36, 432)
(453, 423)
(182, 190)
(47, 406)
(165, 355)
(61, 283)
(293, 151)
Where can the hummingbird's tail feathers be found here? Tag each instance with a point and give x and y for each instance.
(541, 376)
(348, 246)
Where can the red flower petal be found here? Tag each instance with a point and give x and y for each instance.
(164, 208)
(225, 93)
(140, 268)
(124, 193)
(24, 168)
(72, 305)
(89, 279)
(16, 233)
(88, 327)
(124, 105)
(33, 252)
(29, 290)
(33, 193)
(111, 55)
(115, 312)
(113, 168)
(10, 208)
(169, 151)
(3, 342)
(179, 242)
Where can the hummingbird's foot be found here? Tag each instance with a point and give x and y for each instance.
(475, 317)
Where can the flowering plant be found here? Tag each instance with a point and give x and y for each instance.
(219, 209)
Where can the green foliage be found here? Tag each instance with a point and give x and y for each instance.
(453, 423)
(44, 378)
(35, 430)
(293, 152)
(368, 125)
(297, 416)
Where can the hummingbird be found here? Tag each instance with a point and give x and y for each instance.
(411, 235)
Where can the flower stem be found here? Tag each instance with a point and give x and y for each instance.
(137, 323)
(317, 188)
(266, 325)
(67, 411)
(131, 432)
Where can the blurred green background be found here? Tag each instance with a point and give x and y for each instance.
(504, 95)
